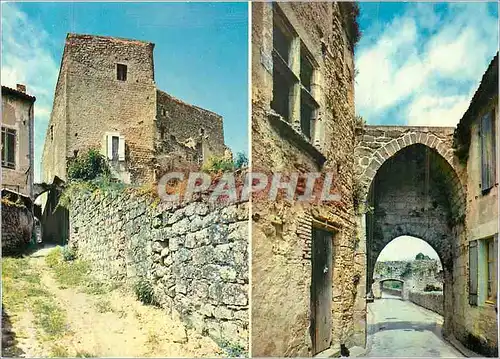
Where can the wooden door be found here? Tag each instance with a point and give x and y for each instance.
(321, 290)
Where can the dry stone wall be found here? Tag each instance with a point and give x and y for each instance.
(432, 300)
(195, 255)
(17, 227)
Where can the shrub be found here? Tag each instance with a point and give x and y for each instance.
(233, 350)
(68, 254)
(216, 164)
(144, 291)
(88, 166)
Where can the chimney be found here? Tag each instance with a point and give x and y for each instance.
(21, 88)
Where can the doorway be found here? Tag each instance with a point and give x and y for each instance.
(321, 289)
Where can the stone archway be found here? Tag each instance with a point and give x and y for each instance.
(378, 284)
(411, 185)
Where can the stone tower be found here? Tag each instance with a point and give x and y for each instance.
(105, 98)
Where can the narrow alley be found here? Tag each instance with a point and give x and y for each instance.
(398, 328)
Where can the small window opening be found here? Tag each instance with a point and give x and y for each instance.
(52, 132)
(121, 72)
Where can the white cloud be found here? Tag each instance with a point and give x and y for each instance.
(426, 110)
(406, 248)
(26, 59)
(426, 65)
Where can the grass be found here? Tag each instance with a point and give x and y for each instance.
(103, 306)
(70, 272)
(153, 340)
(232, 350)
(85, 354)
(23, 290)
(58, 351)
(67, 273)
(50, 318)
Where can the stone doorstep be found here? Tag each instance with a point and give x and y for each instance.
(332, 352)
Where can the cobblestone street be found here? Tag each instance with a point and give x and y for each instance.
(398, 328)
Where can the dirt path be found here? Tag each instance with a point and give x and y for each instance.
(114, 324)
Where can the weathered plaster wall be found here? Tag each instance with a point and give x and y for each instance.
(281, 237)
(18, 114)
(477, 324)
(194, 255)
(186, 133)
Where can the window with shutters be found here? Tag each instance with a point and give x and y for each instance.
(491, 270)
(483, 271)
(8, 148)
(473, 274)
(114, 146)
(488, 160)
(293, 74)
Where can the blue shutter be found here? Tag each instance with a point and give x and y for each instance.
(473, 275)
(487, 152)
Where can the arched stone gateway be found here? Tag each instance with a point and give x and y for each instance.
(378, 287)
(410, 183)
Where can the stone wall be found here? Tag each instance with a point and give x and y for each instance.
(90, 103)
(97, 102)
(54, 145)
(17, 227)
(432, 300)
(186, 133)
(282, 231)
(194, 255)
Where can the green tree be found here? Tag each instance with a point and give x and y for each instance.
(88, 166)
(421, 256)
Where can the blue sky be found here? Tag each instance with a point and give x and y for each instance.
(420, 63)
(201, 53)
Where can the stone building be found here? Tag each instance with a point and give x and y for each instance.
(305, 275)
(106, 98)
(18, 140)
(476, 269)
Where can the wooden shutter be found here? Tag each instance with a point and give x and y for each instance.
(109, 147)
(473, 275)
(121, 148)
(487, 153)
